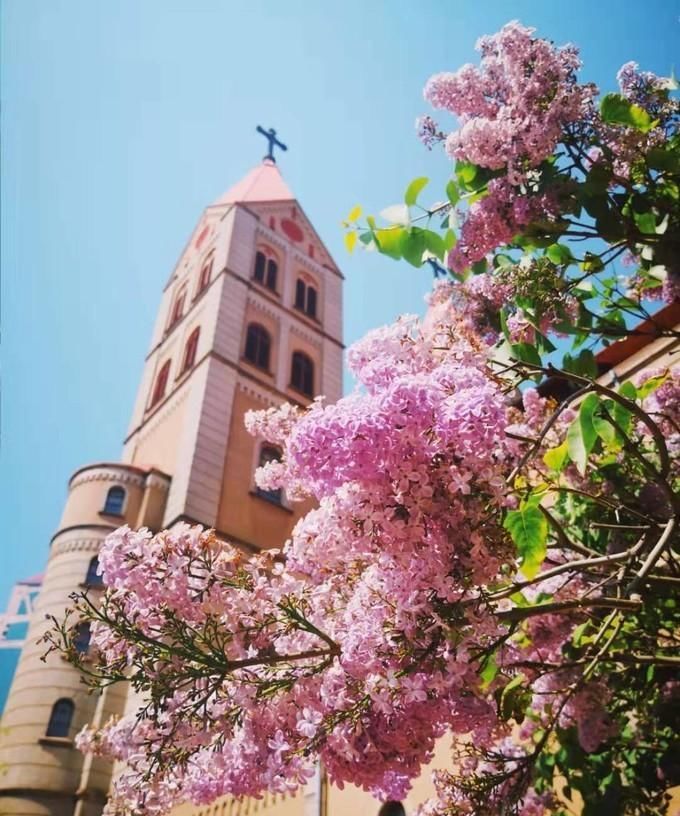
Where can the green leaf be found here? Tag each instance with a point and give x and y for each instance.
(649, 386)
(389, 241)
(577, 634)
(584, 365)
(449, 239)
(606, 431)
(646, 222)
(466, 172)
(413, 245)
(414, 189)
(617, 110)
(355, 214)
(528, 528)
(591, 263)
(350, 240)
(559, 254)
(582, 436)
(514, 699)
(663, 159)
(526, 353)
(489, 671)
(434, 243)
(557, 458)
(452, 192)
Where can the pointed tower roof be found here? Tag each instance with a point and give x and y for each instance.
(262, 183)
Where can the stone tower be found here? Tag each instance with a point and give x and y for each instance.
(250, 317)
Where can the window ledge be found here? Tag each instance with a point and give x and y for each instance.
(256, 367)
(56, 742)
(105, 514)
(266, 288)
(271, 502)
(312, 319)
(291, 387)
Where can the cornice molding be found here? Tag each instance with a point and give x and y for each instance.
(118, 474)
(88, 545)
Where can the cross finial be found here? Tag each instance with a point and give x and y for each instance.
(270, 135)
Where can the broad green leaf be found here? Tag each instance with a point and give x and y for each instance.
(355, 214)
(434, 243)
(528, 528)
(606, 431)
(584, 365)
(577, 634)
(526, 353)
(350, 240)
(413, 245)
(646, 222)
(414, 189)
(366, 238)
(622, 416)
(389, 241)
(581, 436)
(452, 192)
(479, 267)
(466, 172)
(660, 158)
(559, 254)
(616, 109)
(396, 214)
(557, 458)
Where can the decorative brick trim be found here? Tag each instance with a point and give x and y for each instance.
(77, 545)
(118, 473)
(308, 337)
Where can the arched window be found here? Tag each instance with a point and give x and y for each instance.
(92, 577)
(302, 374)
(260, 265)
(300, 294)
(392, 809)
(311, 301)
(272, 271)
(178, 307)
(115, 499)
(81, 640)
(269, 454)
(190, 351)
(258, 346)
(266, 269)
(305, 298)
(161, 384)
(60, 718)
(206, 272)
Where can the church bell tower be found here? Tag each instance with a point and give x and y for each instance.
(250, 317)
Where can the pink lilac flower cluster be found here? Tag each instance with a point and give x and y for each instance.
(513, 109)
(408, 473)
(497, 218)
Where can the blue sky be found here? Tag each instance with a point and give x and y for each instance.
(122, 120)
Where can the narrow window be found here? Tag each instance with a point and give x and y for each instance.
(204, 277)
(81, 641)
(178, 308)
(92, 577)
(272, 270)
(300, 289)
(302, 374)
(190, 351)
(115, 499)
(161, 384)
(269, 454)
(60, 718)
(260, 263)
(258, 346)
(311, 301)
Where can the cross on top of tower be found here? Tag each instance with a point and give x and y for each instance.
(270, 135)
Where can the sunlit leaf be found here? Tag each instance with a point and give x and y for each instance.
(355, 214)
(350, 240)
(528, 528)
(414, 189)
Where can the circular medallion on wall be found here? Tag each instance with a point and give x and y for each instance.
(292, 230)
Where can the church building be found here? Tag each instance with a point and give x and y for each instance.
(250, 317)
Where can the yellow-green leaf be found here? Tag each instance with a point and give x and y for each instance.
(556, 458)
(350, 240)
(413, 190)
(355, 214)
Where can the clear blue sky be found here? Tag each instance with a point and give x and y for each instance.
(121, 120)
